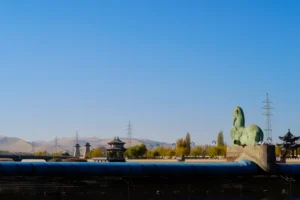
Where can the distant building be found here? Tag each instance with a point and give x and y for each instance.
(77, 151)
(289, 143)
(115, 151)
(87, 149)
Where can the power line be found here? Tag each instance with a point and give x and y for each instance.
(268, 125)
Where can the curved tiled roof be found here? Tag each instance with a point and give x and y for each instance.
(288, 137)
(116, 140)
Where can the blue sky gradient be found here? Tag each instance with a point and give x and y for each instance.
(168, 66)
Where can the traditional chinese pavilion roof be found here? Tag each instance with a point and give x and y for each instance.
(116, 140)
(289, 137)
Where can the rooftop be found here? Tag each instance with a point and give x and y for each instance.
(116, 140)
(289, 137)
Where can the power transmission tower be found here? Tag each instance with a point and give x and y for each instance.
(33, 148)
(267, 113)
(129, 132)
(56, 144)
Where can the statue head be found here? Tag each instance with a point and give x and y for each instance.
(238, 117)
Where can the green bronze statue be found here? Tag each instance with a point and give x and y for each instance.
(242, 136)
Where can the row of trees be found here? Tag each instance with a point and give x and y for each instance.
(138, 151)
(168, 152)
(98, 152)
(183, 146)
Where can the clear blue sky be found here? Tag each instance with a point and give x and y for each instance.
(168, 66)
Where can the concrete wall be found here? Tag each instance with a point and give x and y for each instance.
(263, 155)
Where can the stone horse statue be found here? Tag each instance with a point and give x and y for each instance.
(242, 136)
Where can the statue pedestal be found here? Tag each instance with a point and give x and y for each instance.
(263, 155)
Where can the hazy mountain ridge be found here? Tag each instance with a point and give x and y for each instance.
(14, 144)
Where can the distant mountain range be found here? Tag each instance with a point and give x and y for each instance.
(13, 144)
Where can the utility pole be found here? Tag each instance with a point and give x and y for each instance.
(129, 132)
(77, 147)
(268, 126)
(76, 137)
